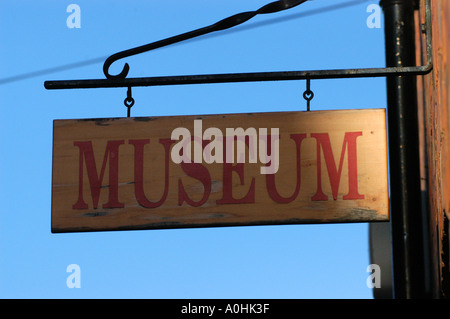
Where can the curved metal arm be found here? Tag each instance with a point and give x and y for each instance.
(221, 25)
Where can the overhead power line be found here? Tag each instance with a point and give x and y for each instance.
(51, 70)
(240, 28)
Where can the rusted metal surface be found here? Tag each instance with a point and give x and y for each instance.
(435, 141)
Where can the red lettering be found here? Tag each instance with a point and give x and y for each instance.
(334, 174)
(227, 195)
(270, 178)
(199, 172)
(95, 181)
(139, 172)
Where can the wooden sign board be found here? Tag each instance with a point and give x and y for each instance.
(300, 167)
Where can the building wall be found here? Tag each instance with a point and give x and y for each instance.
(434, 115)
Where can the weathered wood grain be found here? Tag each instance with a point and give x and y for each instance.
(220, 188)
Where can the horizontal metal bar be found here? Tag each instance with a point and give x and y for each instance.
(238, 77)
(258, 76)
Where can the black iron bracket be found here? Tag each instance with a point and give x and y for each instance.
(120, 80)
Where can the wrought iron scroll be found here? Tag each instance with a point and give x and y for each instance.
(120, 79)
(218, 26)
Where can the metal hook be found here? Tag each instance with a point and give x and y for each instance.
(308, 95)
(129, 101)
(221, 25)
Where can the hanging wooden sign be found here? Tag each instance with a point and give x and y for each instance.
(219, 170)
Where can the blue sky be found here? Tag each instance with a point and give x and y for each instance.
(292, 261)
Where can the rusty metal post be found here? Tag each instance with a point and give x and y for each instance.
(407, 217)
